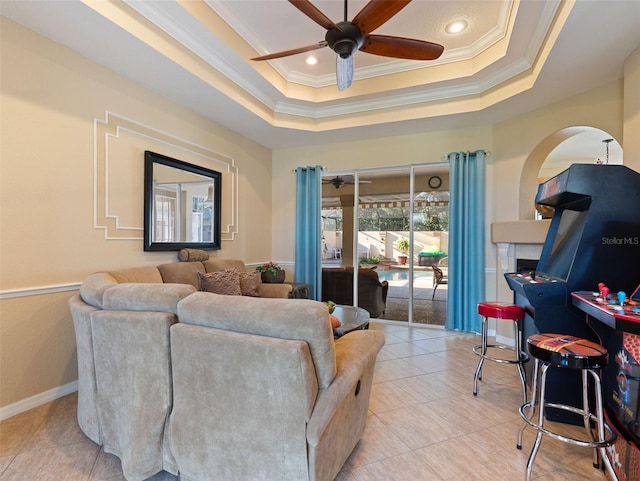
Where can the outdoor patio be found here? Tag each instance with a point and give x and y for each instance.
(425, 311)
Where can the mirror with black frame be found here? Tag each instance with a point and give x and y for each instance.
(182, 205)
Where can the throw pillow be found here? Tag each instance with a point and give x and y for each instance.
(249, 282)
(192, 255)
(225, 282)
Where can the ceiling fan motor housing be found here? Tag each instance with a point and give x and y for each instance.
(344, 42)
(337, 182)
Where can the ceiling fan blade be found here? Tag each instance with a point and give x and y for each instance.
(293, 51)
(377, 12)
(359, 182)
(400, 47)
(340, 180)
(344, 71)
(311, 11)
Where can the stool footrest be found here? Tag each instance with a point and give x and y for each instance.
(524, 357)
(567, 439)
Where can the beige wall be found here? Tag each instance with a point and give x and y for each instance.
(50, 98)
(632, 111)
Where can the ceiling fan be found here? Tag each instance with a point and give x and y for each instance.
(338, 181)
(346, 37)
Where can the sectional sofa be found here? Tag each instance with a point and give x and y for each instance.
(217, 387)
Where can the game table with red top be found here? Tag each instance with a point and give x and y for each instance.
(619, 329)
(625, 318)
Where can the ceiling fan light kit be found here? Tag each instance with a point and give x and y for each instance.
(344, 71)
(345, 38)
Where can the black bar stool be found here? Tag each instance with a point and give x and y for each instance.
(504, 311)
(568, 352)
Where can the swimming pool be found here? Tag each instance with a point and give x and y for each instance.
(402, 274)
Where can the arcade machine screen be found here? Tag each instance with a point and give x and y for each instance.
(565, 244)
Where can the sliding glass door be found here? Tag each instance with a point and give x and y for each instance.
(394, 222)
(430, 242)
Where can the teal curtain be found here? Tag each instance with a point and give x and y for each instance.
(309, 229)
(466, 240)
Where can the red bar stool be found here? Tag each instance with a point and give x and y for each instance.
(505, 311)
(567, 352)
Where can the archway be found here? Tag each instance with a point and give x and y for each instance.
(593, 149)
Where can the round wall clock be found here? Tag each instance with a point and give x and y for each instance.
(435, 182)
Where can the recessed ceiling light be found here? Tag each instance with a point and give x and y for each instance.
(311, 60)
(456, 26)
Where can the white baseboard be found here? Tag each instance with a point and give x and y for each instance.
(507, 341)
(37, 400)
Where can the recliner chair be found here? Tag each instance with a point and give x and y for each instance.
(262, 391)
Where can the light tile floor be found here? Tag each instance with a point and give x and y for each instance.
(424, 425)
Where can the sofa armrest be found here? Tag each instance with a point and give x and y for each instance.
(93, 288)
(282, 291)
(355, 358)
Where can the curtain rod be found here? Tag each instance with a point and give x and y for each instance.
(307, 168)
(486, 153)
(444, 157)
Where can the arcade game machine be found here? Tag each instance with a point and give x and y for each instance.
(594, 237)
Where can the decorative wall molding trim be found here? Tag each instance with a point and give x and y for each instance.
(37, 400)
(39, 291)
(75, 286)
(108, 136)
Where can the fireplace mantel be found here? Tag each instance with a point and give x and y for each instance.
(520, 231)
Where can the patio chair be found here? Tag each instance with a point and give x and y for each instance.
(439, 277)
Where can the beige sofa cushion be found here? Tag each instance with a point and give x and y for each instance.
(213, 265)
(275, 290)
(302, 319)
(148, 274)
(181, 272)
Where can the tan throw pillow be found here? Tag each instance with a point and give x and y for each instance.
(249, 282)
(192, 255)
(220, 282)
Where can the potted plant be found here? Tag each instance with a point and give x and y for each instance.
(402, 245)
(271, 273)
(370, 262)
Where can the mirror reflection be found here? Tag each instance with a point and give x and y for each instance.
(182, 205)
